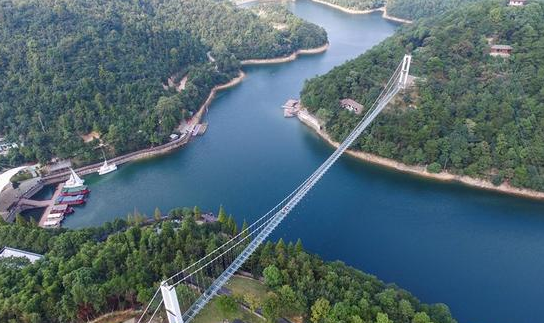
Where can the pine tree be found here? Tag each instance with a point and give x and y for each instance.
(244, 228)
(157, 215)
(298, 247)
(232, 227)
(197, 212)
(222, 216)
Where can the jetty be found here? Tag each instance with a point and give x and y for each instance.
(291, 108)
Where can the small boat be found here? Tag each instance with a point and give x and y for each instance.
(59, 209)
(71, 200)
(106, 168)
(73, 192)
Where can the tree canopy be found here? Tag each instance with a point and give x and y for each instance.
(88, 272)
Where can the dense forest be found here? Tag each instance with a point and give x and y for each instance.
(469, 113)
(71, 67)
(301, 34)
(92, 271)
(415, 9)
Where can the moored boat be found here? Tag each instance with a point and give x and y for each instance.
(71, 200)
(59, 209)
(106, 168)
(74, 182)
(75, 191)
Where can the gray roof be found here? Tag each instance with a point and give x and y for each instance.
(505, 47)
(59, 165)
(8, 252)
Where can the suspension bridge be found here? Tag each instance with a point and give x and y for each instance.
(201, 281)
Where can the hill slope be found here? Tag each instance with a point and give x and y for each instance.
(71, 67)
(84, 275)
(415, 9)
(470, 113)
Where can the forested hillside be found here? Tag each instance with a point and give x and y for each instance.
(469, 113)
(301, 34)
(84, 275)
(415, 9)
(71, 67)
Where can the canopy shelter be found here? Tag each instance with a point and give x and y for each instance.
(7, 175)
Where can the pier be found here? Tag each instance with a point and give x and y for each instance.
(45, 220)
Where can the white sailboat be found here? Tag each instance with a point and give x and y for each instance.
(74, 180)
(106, 168)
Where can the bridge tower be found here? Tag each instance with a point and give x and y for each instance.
(171, 304)
(405, 70)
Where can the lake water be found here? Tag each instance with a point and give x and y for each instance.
(479, 252)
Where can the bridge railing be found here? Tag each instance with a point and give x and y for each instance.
(199, 282)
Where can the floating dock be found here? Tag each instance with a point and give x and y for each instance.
(291, 108)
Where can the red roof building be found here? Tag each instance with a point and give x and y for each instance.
(501, 50)
(352, 105)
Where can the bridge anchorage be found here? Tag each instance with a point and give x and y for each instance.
(200, 282)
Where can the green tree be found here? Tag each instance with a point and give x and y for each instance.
(271, 307)
(227, 305)
(272, 276)
(197, 212)
(222, 215)
(320, 310)
(157, 215)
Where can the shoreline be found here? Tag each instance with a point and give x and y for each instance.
(365, 12)
(421, 171)
(168, 147)
(286, 59)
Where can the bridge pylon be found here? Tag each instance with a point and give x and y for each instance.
(405, 71)
(171, 304)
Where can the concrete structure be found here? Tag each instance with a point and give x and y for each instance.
(352, 105)
(171, 303)
(8, 252)
(7, 175)
(501, 50)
